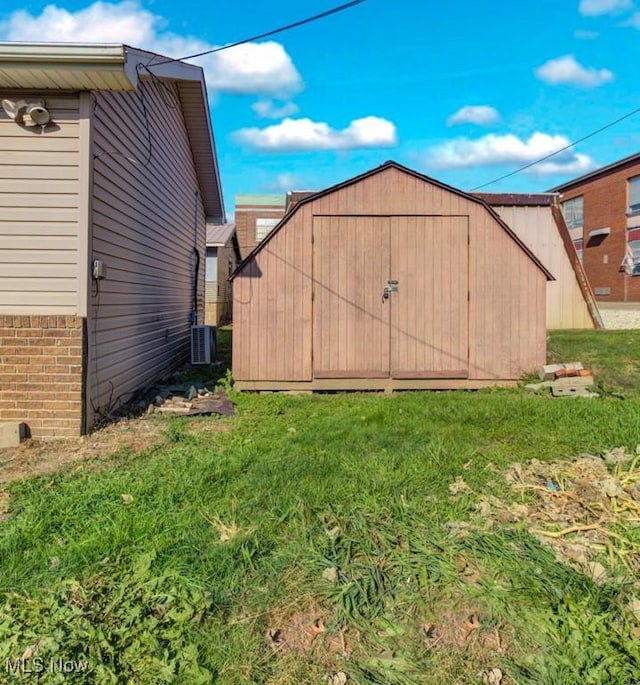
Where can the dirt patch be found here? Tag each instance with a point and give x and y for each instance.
(304, 631)
(38, 457)
(465, 628)
(582, 509)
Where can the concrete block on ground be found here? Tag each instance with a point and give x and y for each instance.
(12, 432)
(548, 371)
(573, 382)
(572, 391)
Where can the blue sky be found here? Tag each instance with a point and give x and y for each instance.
(462, 91)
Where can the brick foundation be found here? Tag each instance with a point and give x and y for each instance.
(41, 379)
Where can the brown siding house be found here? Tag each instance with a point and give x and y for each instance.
(104, 207)
(390, 280)
(602, 211)
(223, 255)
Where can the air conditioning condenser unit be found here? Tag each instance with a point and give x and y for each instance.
(203, 344)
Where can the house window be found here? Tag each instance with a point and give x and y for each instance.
(264, 227)
(573, 213)
(211, 270)
(634, 195)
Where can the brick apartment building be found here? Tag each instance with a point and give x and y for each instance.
(256, 215)
(602, 211)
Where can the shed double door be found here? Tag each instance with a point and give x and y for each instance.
(419, 329)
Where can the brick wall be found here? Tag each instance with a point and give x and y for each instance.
(605, 205)
(41, 360)
(245, 220)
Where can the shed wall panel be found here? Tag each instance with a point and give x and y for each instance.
(147, 219)
(535, 226)
(272, 315)
(507, 304)
(39, 212)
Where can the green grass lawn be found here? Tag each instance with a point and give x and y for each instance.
(314, 536)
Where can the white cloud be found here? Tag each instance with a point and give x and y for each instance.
(565, 70)
(101, 22)
(253, 68)
(259, 68)
(596, 8)
(493, 150)
(304, 134)
(268, 109)
(580, 164)
(483, 115)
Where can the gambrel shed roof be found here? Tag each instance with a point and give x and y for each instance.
(307, 199)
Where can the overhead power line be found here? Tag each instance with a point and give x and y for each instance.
(557, 152)
(308, 20)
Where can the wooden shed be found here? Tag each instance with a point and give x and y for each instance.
(390, 280)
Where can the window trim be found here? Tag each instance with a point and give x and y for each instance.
(633, 208)
(569, 219)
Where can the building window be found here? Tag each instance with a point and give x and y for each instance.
(634, 195)
(264, 227)
(631, 261)
(573, 213)
(211, 266)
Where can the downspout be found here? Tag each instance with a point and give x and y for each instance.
(196, 268)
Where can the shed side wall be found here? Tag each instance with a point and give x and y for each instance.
(535, 226)
(39, 200)
(272, 313)
(147, 217)
(507, 307)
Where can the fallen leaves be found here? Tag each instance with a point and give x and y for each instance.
(581, 508)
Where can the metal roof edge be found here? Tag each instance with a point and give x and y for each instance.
(97, 56)
(596, 172)
(27, 52)
(518, 199)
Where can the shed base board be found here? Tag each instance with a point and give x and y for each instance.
(382, 384)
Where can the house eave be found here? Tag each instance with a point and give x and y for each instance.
(78, 66)
(48, 67)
